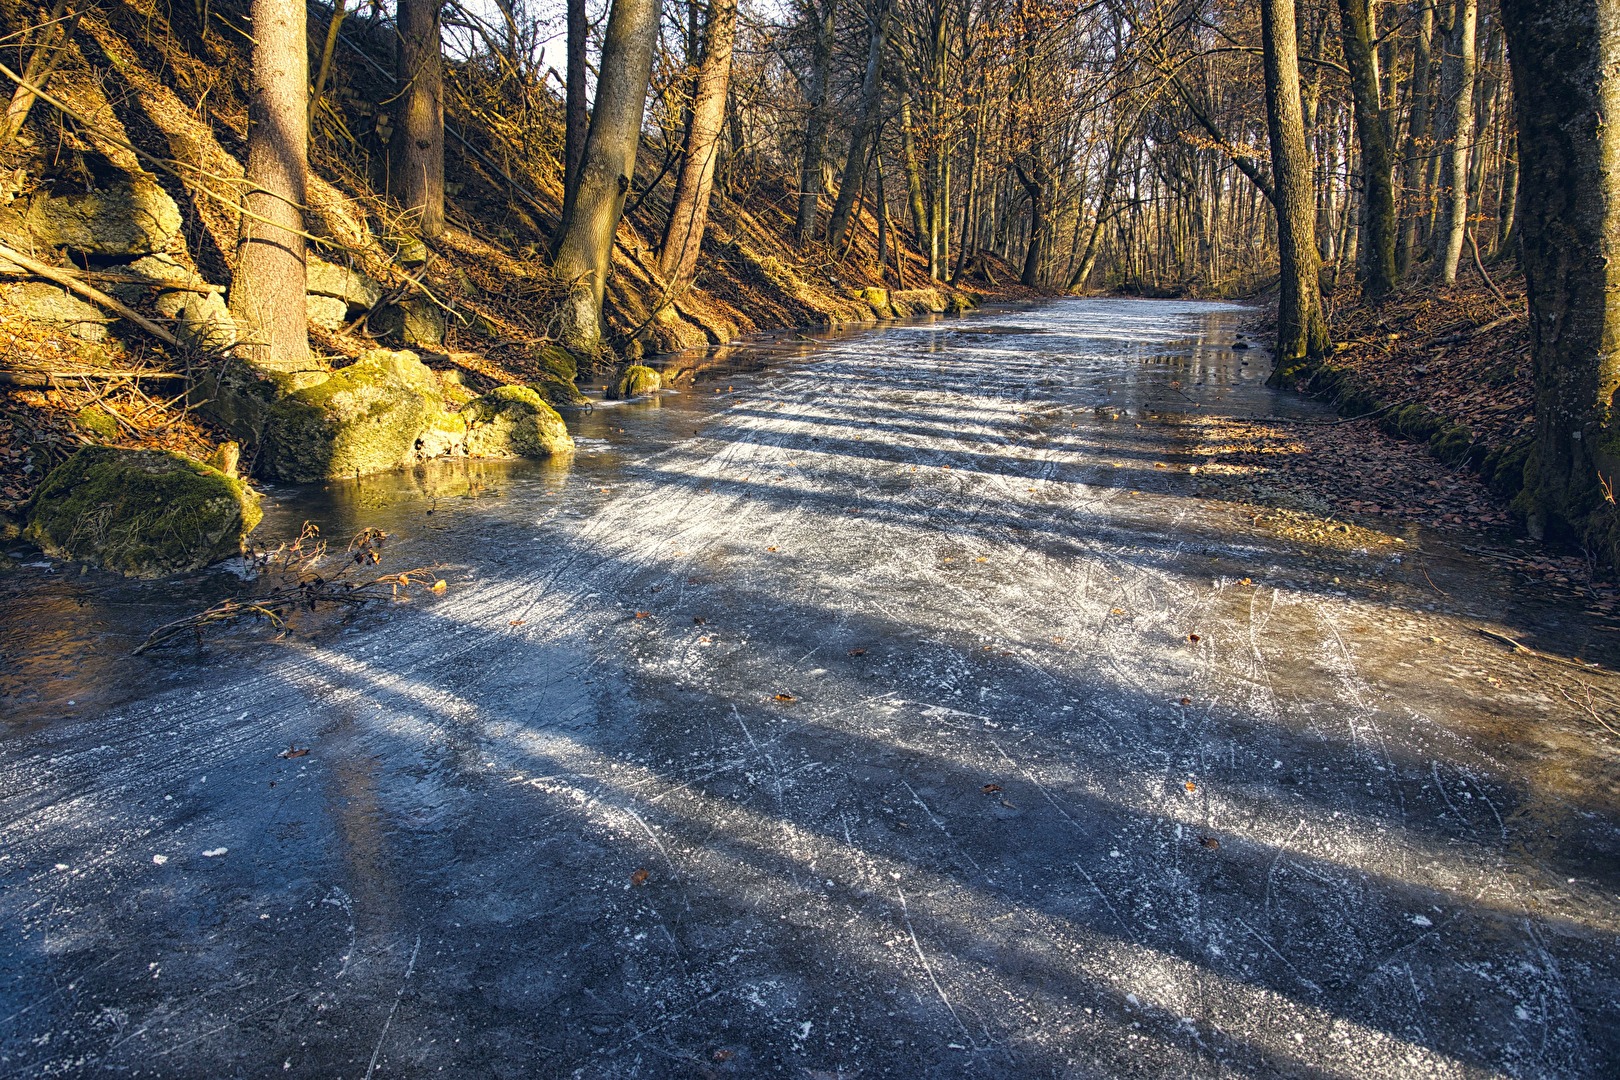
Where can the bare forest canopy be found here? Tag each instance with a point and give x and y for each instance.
(544, 189)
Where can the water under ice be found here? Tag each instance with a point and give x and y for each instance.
(840, 718)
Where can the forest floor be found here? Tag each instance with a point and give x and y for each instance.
(910, 707)
(1461, 352)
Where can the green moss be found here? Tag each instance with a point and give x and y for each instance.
(364, 418)
(560, 393)
(637, 381)
(959, 302)
(559, 362)
(512, 421)
(97, 422)
(141, 513)
(1452, 444)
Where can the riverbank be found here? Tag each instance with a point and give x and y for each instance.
(1437, 401)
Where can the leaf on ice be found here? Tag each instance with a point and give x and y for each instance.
(990, 789)
(639, 877)
(293, 751)
(785, 699)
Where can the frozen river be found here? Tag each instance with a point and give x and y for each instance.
(900, 708)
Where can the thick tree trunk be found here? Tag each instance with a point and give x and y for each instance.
(585, 240)
(1461, 142)
(854, 175)
(575, 117)
(416, 162)
(268, 281)
(1377, 165)
(1563, 54)
(1301, 327)
(1413, 169)
(815, 131)
(689, 208)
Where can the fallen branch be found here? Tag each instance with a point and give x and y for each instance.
(71, 281)
(51, 380)
(1525, 650)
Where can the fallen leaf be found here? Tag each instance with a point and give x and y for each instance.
(1194, 638)
(1191, 786)
(857, 652)
(1117, 611)
(723, 1055)
(1209, 842)
(785, 699)
(770, 549)
(516, 622)
(1186, 701)
(439, 586)
(639, 877)
(698, 620)
(1245, 581)
(293, 751)
(990, 789)
(643, 614)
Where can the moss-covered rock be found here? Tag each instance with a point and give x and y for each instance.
(512, 421)
(364, 418)
(637, 380)
(417, 322)
(878, 300)
(344, 283)
(133, 216)
(959, 303)
(96, 421)
(49, 303)
(140, 513)
(560, 394)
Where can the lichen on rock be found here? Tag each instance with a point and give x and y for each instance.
(637, 380)
(513, 421)
(140, 513)
(364, 418)
(132, 216)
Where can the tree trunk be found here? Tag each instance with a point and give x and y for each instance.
(416, 162)
(575, 117)
(585, 239)
(1507, 235)
(1302, 332)
(268, 282)
(815, 132)
(1417, 133)
(1462, 138)
(854, 176)
(914, 182)
(1563, 54)
(1377, 166)
(1034, 181)
(689, 208)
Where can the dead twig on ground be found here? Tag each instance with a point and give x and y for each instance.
(304, 578)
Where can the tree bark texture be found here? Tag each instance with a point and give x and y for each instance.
(1413, 169)
(585, 239)
(416, 160)
(1461, 141)
(268, 281)
(1377, 164)
(1563, 55)
(854, 176)
(815, 131)
(575, 117)
(689, 207)
(1301, 327)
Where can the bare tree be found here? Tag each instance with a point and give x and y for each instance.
(575, 117)
(1302, 331)
(1461, 140)
(267, 287)
(1377, 163)
(416, 163)
(607, 166)
(815, 131)
(689, 208)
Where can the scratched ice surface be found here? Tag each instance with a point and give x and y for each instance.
(559, 822)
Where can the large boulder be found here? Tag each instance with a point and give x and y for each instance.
(200, 318)
(132, 216)
(141, 513)
(343, 283)
(326, 312)
(417, 322)
(364, 418)
(512, 421)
